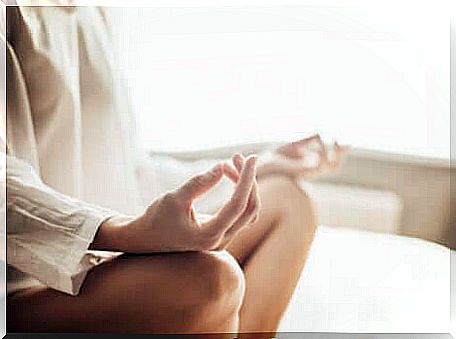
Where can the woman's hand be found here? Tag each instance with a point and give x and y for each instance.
(306, 158)
(170, 223)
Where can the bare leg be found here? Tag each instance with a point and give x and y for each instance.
(169, 293)
(187, 292)
(272, 253)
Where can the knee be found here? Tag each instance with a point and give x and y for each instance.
(290, 192)
(292, 201)
(218, 288)
(204, 293)
(220, 278)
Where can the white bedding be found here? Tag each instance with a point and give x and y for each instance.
(354, 281)
(358, 281)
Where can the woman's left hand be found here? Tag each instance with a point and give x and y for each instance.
(307, 158)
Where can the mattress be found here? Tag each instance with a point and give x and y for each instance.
(360, 281)
(354, 280)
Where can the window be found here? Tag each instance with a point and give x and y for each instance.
(373, 75)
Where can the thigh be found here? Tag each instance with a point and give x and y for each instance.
(130, 294)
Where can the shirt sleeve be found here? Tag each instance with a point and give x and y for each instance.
(48, 233)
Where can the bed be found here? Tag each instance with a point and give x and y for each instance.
(354, 280)
(360, 281)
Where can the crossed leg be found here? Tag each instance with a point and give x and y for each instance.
(169, 293)
(205, 292)
(272, 253)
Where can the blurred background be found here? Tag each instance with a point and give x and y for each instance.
(205, 80)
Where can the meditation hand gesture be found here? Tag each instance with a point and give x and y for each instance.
(307, 158)
(170, 223)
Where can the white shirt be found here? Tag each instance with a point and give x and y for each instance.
(71, 160)
(67, 136)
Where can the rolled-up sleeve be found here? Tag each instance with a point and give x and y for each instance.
(48, 233)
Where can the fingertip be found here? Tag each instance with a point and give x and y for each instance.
(252, 160)
(238, 161)
(236, 156)
(217, 169)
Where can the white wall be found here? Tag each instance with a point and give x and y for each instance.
(371, 74)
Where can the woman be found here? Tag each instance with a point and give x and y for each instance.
(77, 267)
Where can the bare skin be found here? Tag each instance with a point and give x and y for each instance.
(244, 289)
(192, 292)
(273, 252)
(162, 293)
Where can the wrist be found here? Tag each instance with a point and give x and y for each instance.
(111, 234)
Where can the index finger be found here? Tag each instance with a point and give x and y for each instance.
(200, 184)
(238, 201)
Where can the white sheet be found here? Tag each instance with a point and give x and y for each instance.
(358, 281)
(354, 281)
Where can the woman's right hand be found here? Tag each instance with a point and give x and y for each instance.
(170, 223)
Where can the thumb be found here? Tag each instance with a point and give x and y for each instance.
(200, 184)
